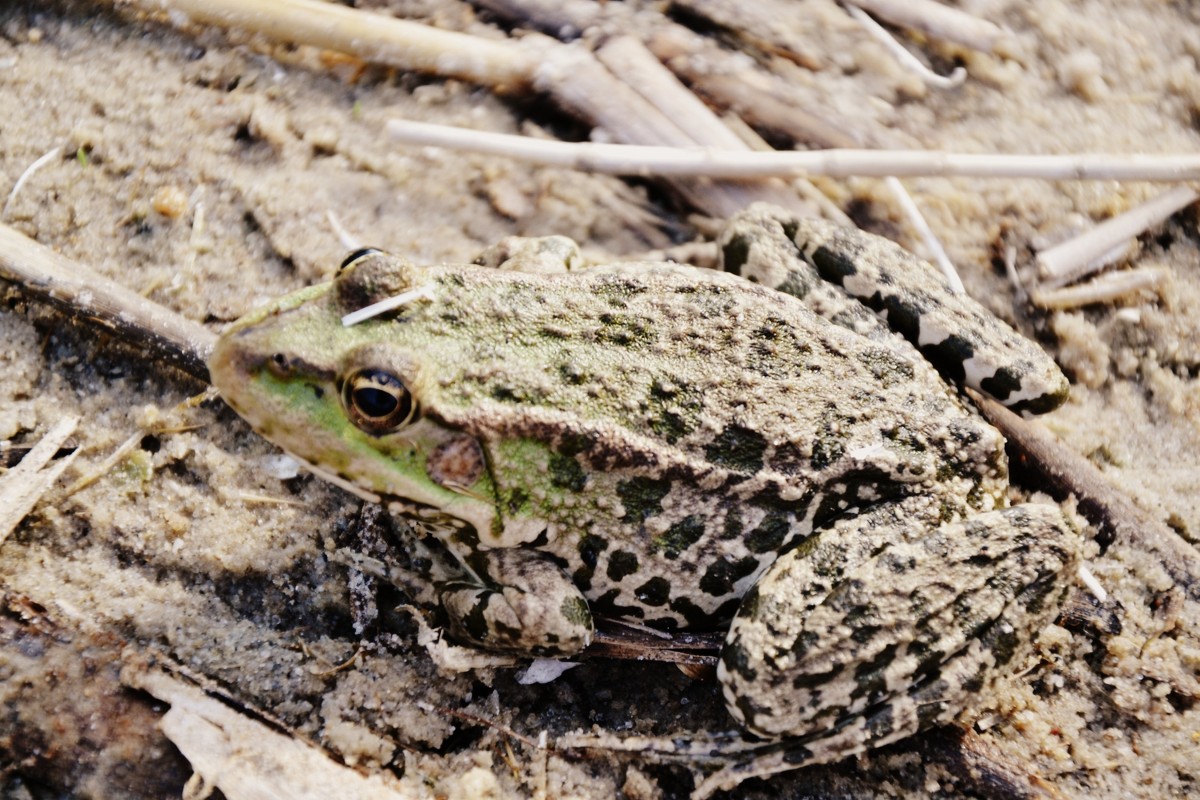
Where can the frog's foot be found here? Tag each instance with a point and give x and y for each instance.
(542, 255)
(957, 335)
(528, 606)
(903, 640)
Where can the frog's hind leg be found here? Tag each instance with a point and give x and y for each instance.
(900, 641)
(523, 603)
(957, 335)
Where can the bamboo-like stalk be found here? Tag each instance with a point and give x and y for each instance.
(502, 64)
(839, 163)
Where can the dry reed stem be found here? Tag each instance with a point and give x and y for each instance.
(1103, 289)
(840, 163)
(1070, 260)
(373, 37)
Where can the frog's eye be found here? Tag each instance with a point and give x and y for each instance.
(378, 401)
(356, 256)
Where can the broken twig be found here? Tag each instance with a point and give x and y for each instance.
(23, 485)
(90, 296)
(1072, 259)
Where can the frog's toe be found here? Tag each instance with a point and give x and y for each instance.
(543, 255)
(906, 639)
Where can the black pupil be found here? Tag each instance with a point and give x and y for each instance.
(374, 402)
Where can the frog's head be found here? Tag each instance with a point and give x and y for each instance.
(350, 400)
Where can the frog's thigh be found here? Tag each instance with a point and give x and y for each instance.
(529, 606)
(957, 335)
(904, 639)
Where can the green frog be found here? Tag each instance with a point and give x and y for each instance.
(768, 450)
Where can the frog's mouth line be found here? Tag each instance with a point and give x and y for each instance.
(336, 480)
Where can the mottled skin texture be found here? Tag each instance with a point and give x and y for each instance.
(645, 440)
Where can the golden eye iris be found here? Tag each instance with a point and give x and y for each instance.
(377, 401)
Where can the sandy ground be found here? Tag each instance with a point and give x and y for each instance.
(200, 168)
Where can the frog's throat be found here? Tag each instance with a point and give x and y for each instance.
(460, 519)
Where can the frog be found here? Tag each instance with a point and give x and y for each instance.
(780, 449)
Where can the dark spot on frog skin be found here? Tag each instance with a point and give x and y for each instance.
(949, 357)
(673, 408)
(798, 284)
(882, 722)
(572, 443)
(869, 676)
(788, 459)
(737, 447)
(834, 265)
(800, 647)
(732, 528)
(699, 619)
(566, 473)
(797, 754)
(735, 254)
(737, 661)
(1002, 384)
(572, 374)
(680, 536)
(826, 450)
(721, 575)
(770, 534)
(606, 606)
(620, 564)
(518, 500)
(590, 548)
(654, 592)
(642, 498)
(1042, 403)
(625, 330)
(930, 712)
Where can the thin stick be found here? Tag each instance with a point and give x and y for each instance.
(372, 37)
(1068, 261)
(96, 299)
(939, 21)
(651, 160)
(917, 220)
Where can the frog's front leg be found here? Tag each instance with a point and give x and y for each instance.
(964, 341)
(524, 604)
(902, 640)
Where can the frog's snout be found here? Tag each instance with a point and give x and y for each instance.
(230, 365)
